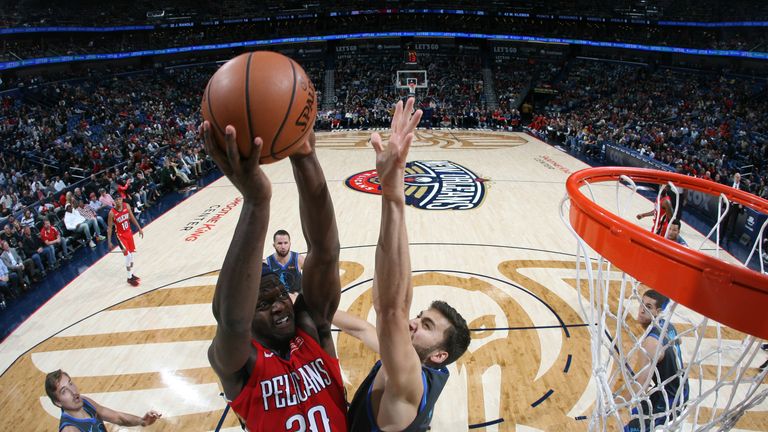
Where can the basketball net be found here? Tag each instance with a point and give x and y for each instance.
(412, 89)
(719, 364)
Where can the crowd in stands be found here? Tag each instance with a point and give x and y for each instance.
(701, 124)
(510, 79)
(35, 45)
(366, 89)
(83, 141)
(70, 148)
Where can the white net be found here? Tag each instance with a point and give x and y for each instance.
(411, 87)
(656, 364)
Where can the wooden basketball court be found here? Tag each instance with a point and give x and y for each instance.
(487, 238)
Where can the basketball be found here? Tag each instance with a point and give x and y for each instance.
(262, 94)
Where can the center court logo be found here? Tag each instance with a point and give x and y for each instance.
(430, 185)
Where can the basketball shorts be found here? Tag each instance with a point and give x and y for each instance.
(126, 243)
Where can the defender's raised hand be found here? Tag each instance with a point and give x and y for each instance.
(390, 159)
(244, 173)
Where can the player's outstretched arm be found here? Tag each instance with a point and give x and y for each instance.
(237, 289)
(124, 419)
(358, 328)
(320, 284)
(392, 286)
(646, 214)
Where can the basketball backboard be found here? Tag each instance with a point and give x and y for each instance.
(406, 77)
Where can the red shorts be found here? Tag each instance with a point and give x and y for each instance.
(125, 241)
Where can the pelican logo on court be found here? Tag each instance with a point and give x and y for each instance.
(430, 185)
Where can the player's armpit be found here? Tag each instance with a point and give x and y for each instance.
(403, 386)
(399, 358)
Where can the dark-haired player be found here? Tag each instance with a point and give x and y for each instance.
(401, 389)
(665, 382)
(662, 213)
(286, 263)
(121, 217)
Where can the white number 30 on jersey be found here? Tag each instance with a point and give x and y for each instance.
(317, 418)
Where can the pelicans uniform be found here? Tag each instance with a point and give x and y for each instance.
(122, 221)
(304, 392)
(660, 220)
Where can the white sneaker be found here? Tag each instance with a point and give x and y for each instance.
(92, 244)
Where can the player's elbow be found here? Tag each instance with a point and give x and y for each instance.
(327, 252)
(323, 328)
(235, 326)
(231, 324)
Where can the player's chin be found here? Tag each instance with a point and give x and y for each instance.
(284, 333)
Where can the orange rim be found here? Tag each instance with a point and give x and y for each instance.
(730, 294)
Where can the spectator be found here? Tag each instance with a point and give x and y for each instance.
(143, 189)
(51, 237)
(28, 220)
(33, 248)
(734, 210)
(7, 287)
(106, 199)
(10, 235)
(89, 215)
(94, 202)
(76, 223)
(6, 199)
(59, 184)
(78, 195)
(17, 267)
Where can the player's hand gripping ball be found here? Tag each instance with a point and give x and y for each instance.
(262, 94)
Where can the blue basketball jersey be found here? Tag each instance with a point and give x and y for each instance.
(360, 413)
(289, 274)
(92, 424)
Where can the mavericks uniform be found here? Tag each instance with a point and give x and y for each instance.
(289, 274)
(302, 393)
(662, 399)
(122, 221)
(92, 424)
(360, 414)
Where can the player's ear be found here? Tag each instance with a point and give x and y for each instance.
(438, 356)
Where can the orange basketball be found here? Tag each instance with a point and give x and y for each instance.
(262, 94)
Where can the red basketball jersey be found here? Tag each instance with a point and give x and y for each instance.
(303, 393)
(122, 221)
(660, 220)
